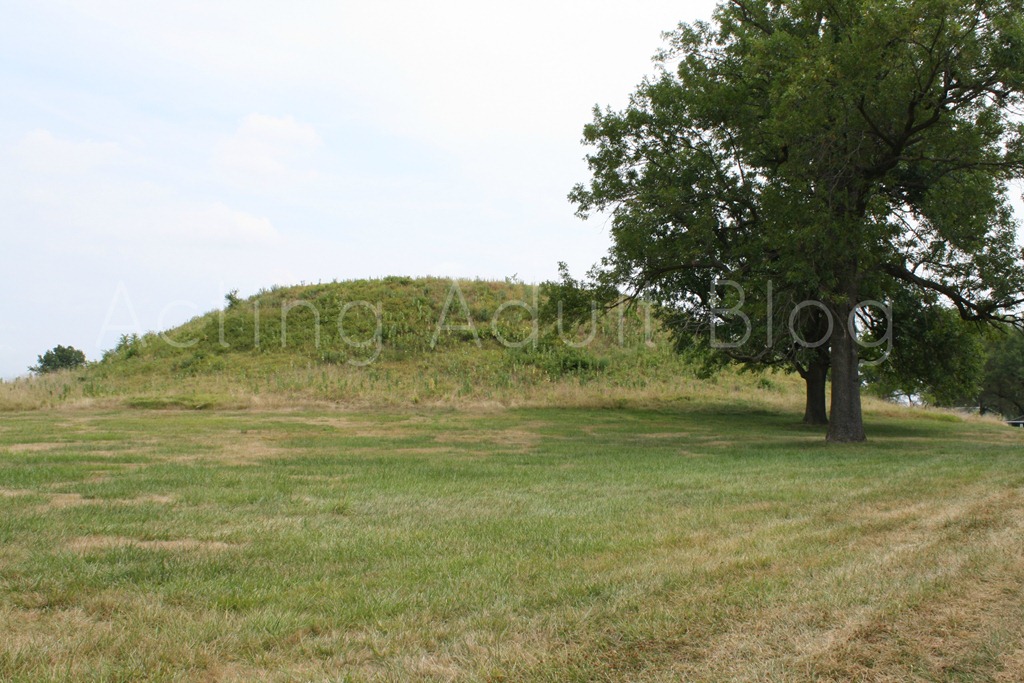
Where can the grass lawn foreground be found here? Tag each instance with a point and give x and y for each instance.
(526, 544)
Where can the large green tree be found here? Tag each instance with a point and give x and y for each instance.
(836, 148)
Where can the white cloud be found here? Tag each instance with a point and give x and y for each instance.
(41, 151)
(91, 193)
(453, 69)
(272, 130)
(267, 151)
(219, 225)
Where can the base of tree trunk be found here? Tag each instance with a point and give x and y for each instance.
(845, 436)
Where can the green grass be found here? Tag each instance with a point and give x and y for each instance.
(534, 544)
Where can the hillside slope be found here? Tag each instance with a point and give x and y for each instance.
(362, 321)
(396, 341)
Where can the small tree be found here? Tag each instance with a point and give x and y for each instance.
(59, 358)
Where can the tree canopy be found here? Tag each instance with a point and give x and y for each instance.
(59, 358)
(1002, 389)
(841, 150)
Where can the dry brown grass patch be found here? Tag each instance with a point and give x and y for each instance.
(38, 447)
(356, 428)
(524, 437)
(60, 501)
(943, 630)
(245, 451)
(85, 544)
(1012, 665)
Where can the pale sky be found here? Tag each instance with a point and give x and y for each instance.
(157, 155)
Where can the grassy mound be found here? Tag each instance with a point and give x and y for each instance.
(395, 341)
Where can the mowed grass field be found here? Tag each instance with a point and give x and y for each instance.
(507, 545)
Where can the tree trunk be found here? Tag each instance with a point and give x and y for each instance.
(846, 424)
(814, 378)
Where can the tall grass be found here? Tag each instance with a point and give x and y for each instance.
(375, 342)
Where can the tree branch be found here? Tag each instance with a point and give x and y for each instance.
(969, 310)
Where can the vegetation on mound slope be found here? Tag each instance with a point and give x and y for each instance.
(401, 341)
(388, 341)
